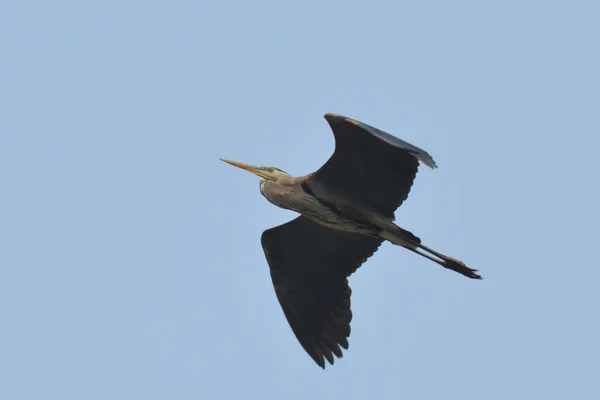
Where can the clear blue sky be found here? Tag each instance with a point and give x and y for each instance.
(130, 257)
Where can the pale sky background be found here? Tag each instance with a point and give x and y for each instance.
(130, 257)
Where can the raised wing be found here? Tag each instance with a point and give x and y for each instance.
(369, 167)
(309, 266)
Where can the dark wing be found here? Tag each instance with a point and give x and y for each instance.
(309, 266)
(368, 167)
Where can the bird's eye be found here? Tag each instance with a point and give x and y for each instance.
(272, 169)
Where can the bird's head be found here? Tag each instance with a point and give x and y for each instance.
(267, 173)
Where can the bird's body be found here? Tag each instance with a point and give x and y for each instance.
(346, 211)
(293, 194)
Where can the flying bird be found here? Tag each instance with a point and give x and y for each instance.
(346, 212)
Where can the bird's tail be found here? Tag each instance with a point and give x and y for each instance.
(401, 237)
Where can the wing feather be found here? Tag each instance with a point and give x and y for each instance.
(369, 167)
(309, 266)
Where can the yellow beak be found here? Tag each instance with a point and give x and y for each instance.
(251, 168)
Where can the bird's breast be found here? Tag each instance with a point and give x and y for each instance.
(277, 194)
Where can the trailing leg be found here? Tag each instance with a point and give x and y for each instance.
(409, 241)
(446, 261)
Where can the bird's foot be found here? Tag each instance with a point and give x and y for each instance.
(461, 268)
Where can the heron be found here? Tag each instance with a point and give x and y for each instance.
(346, 212)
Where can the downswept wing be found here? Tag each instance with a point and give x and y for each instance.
(369, 167)
(309, 266)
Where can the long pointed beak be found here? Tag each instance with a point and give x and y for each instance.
(250, 168)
